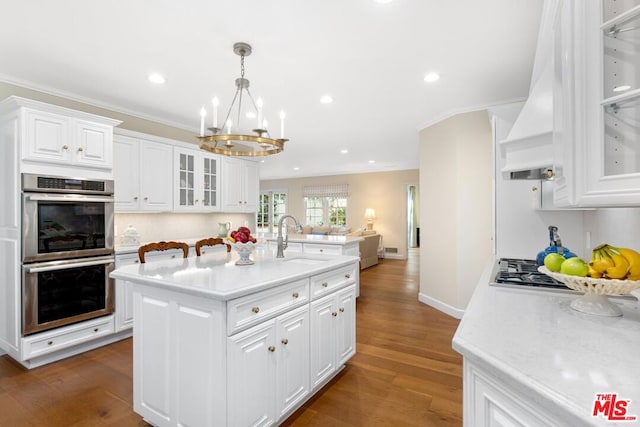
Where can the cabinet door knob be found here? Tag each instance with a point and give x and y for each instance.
(50, 343)
(65, 147)
(295, 295)
(325, 284)
(341, 309)
(80, 149)
(271, 348)
(284, 341)
(347, 276)
(95, 329)
(334, 314)
(146, 198)
(255, 309)
(135, 197)
(321, 250)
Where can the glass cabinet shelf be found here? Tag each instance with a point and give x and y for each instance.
(621, 47)
(621, 133)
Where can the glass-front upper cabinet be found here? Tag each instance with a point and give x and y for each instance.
(197, 181)
(597, 103)
(621, 86)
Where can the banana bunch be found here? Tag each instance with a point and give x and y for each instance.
(610, 262)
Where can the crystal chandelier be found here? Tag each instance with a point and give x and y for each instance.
(229, 140)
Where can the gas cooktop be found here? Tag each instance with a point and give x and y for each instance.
(513, 272)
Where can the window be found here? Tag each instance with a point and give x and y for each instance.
(314, 211)
(273, 204)
(326, 204)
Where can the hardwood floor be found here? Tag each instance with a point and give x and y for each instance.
(403, 374)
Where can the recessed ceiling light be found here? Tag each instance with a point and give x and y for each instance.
(621, 88)
(372, 161)
(326, 99)
(296, 168)
(156, 78)
(344, 151)
(383, 1)
(431, 77)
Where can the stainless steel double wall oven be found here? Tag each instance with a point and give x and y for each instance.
(67, 251)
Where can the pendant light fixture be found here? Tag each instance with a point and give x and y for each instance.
(229, 139)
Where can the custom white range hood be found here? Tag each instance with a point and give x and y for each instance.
(528, 150)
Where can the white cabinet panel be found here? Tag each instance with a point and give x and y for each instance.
(142, 177)
(240, 185)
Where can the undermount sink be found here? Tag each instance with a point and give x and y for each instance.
(307, 261)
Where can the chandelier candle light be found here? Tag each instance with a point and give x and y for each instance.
(240, 144)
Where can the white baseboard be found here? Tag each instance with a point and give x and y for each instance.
(439, 305)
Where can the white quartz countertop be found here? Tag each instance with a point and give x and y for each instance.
(313, 238)
(559, 357)
(216, 275)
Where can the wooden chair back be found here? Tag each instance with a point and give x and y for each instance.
(212, 241)
(162, 246)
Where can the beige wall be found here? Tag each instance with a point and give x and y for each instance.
(383, 191)
(456, 190)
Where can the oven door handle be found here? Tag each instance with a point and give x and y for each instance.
(74, 198)
(67, 265)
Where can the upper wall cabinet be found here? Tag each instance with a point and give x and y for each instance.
(196, 180)
(597, 103)
(241, 185)
(142, 175)
(57, 136)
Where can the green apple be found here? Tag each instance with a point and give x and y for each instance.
(553, 261)
(574, 267)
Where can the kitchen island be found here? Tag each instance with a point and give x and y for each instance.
(531, 360)
(220, 344)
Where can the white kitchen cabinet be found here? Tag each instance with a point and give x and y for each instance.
(180, 377)
(196, 181)
(596, 104)
(490, 401)
(243, 361)
(142, 175)
(59, 141)
(240, 185)
(269, 364)
(332, 334)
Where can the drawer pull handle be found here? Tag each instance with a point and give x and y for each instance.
(136, 261)
(341, 309)
(135, 198)
(347, 276)
(50, 343)
(95, 329)
(65, 147)
(325, 284)
(321, 250)
(255, 309)
(80, 149)
(284, 341)
(271, 348)
(334, 314)
(295, 295)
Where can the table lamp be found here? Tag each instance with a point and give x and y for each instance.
(369, 214)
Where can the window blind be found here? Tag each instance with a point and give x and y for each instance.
(326, 190)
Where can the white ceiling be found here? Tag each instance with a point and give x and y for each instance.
(371, 58)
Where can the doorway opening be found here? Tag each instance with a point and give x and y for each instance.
(413, 217)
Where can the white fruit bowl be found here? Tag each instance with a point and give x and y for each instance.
(244, 250)
(594, 300)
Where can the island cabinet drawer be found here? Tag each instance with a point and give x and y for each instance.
(252, 309)
(315, 248)
(331, 281)
(57, 339)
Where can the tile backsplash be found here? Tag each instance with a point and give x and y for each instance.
(175, 226)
